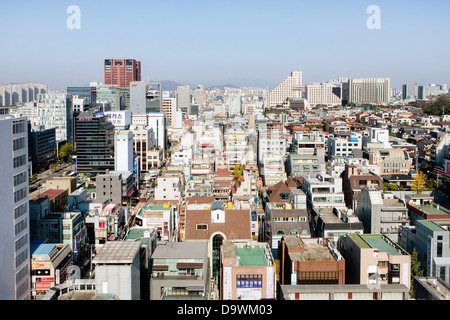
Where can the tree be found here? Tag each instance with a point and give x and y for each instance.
(66, 152)
(238, 171)
(416, 268)
(419, 183)
(390, 186)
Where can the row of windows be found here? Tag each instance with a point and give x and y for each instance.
(22, 241)
(20, 194)
(22, 257)
(395, 164)
(20, 226)
(18, 144)
(19, 161)
(20, 210)
(19, 127)
(20, 178)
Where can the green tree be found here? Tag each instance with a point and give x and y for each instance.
(66, 152)
(390, 187)
(416, 268)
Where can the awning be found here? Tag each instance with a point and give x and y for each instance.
(195, 288)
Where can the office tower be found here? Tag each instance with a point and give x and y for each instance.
(169, 107)
(123, 150)
(94, 142)
(145, 97)
(15, 244)
(81, 92)
(369, 90)
(291, 87)
(328, 94)
(55, 111)
(14, 93)
(410, 89)
(432, 90)
(110, 95)
(121, 72)
(184, 99)
(41, 147)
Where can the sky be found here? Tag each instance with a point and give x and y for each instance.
(214, 42)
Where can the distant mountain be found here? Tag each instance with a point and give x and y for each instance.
(169, 85)
(222, 86)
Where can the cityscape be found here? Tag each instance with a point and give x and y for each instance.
(127, 188)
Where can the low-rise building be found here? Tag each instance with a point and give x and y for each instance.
(374, 259)
(247, 272)
(49, 267)
(180, 271)
(310, 261)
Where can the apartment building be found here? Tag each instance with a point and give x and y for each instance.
(289, 88)
(374, 259)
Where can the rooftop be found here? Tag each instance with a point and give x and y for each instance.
(377, 241)
(118, 252)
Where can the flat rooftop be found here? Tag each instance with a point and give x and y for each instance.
(252, 256)
(376, 241)
(431, 209)
(118, 252)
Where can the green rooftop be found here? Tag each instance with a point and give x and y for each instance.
(431, 225)
(251, 257)
(381, 243)
(431, 209)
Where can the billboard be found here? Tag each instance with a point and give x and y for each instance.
(119, 118)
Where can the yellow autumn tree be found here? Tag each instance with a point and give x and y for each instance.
(419, 183)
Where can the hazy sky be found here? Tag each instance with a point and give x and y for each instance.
(245, 42)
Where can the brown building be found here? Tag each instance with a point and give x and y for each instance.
(58, 199)
(310, 261)
(120, 72)
(355, 180)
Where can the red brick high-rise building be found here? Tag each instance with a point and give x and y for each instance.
(120, 72)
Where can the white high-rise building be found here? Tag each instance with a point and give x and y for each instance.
(184, 99)
(169, 107)
(15, 245)
(123, 150)
(369, 90)
(291, 87)
(14, 93)
(328, 94)
(55, 111)
(156, 121)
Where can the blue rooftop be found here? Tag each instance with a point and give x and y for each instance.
(45, 248)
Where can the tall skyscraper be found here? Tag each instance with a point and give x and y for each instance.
(94, 141)
(410, 89)
(15, 247)
(120, 72)
(369, 90)
(184, 99)
(291, 87)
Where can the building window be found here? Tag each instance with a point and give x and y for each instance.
(202, 227)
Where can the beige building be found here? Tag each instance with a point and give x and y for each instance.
(373, 259)
(323, 93)
(62, 183)
(369, 90)
(291, 87)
